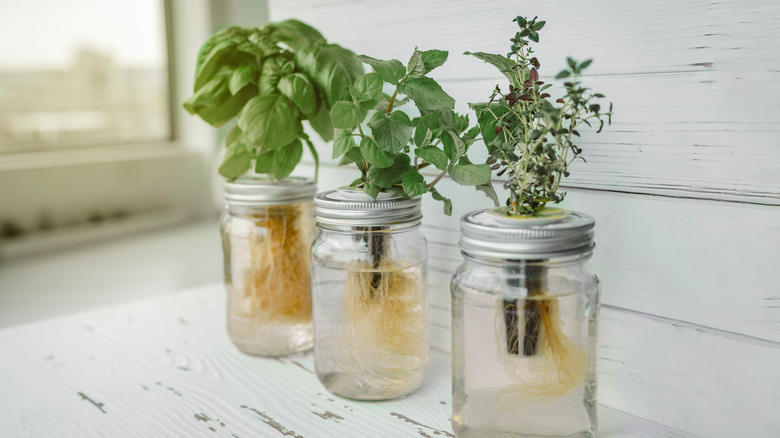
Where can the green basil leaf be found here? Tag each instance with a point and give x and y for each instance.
(426, 122)
(391, 71)
(264, 163)
(342, 142)
(228, 108)
(426, 93)
(433, 58)
(219, 51)
(502, 63)
(415, 67)
(347, 115)
(413, 183)
(300, 91)
(368, 87)
(331, 67)
(269, 122)
(294, 33)
(447, 202)
(433, 155)
(321, 123)
(235, 162)
(389, 176)
(242, 76)
(470, 174)
(391, 131)
(286, 158)
(375, 156)
(489, 191)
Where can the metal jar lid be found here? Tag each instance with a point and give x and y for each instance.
(353, 207)
(486, 233)
(261, 190)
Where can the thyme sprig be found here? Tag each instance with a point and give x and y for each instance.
(529, 136)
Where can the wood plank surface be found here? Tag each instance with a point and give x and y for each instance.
(694, 83)
(165, 367)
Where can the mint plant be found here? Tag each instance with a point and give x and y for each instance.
(392, 148)
(529, 135)
(271, 79)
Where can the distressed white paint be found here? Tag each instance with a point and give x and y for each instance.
(691, 327)
(694, 84)
(165, 367)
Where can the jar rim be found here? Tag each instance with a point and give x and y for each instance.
(251, 190)
(486, 234)
(351, 207)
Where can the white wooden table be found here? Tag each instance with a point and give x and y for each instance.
(165, 367)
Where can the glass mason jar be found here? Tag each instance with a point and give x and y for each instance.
(370, 283)
(524, 323)
(267, 230)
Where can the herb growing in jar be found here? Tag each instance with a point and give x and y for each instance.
(380, 348)
(530, 138)
(270, 79)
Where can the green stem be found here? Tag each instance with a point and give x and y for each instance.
(392, 99)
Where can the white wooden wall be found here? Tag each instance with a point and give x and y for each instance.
(685, 185)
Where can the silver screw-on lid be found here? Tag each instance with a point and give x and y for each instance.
(489, 233)
(353, 207)
(261, 190)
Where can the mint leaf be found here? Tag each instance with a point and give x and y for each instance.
(489, 191)
(502, 63)
(354, 156)
(470, 174)
(426, 93)
(375, 156)
(242, 76)
(433, 58)
(434, 156)
(447, 202)
(368, 87)
(426, 122)
(286, 158)
(487, 121)
(299, 89)
(347, 115)
(389, 176)
(391, 131)
(415, 67)
(342, 142)
(371, 190)
(454, 147)
(413, 183)
(269, 121)
(391, 71)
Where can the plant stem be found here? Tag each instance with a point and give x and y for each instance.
(392, 99)
(438, 178)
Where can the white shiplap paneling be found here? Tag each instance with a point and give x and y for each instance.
(694, 83)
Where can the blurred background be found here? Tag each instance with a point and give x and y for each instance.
(108, 190)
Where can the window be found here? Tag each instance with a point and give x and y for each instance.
(83, 72)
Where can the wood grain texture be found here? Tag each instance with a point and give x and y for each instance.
(165, 367)
(694, 84)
